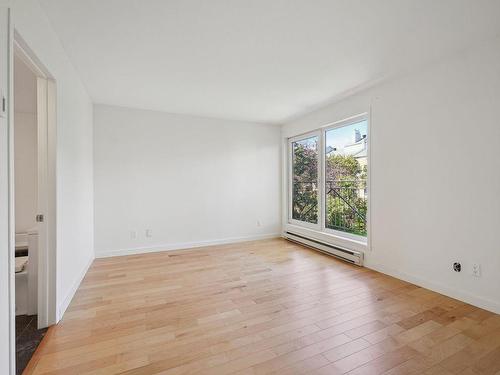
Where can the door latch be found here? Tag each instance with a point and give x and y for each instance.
(3, 105)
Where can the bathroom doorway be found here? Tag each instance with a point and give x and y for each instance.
(34, 201)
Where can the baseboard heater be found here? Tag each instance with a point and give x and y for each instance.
(354, 257)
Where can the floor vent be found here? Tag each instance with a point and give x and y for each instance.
(354, 257)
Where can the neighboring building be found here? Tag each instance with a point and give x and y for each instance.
(358, 149)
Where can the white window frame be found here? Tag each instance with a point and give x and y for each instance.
(325, 129)
(320, 231)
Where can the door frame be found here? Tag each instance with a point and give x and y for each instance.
(46, 189)
(46, 181)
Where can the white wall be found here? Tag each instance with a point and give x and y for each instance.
(435, 141)
(191, 180)
(25, 147)
(74, 150)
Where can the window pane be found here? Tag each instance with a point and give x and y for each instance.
(345, 178)
(305, 180)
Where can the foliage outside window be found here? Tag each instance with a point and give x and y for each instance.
(305, 180)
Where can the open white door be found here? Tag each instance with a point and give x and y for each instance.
(41, 106)
(46, 113)
(7, 313)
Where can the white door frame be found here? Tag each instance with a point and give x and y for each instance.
(6, 185)
(46, 189)
(10, 40)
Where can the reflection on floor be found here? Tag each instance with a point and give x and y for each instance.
(27, 339)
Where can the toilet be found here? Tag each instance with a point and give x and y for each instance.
(26, 272)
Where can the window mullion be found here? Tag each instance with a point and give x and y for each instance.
(321, 174)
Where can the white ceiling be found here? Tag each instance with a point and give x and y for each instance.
(256, 60)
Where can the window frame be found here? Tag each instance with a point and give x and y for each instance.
(337, 125)
(320, 228)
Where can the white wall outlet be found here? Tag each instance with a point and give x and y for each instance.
(259, 223)
(133, 234)
(476, 270)
(149, 233)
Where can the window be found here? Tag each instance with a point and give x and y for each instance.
(346, 169)
(328, 188)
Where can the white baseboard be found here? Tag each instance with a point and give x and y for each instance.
(67, 300)
(472, 299)
(184, 245)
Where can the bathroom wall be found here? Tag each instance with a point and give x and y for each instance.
(25, 146)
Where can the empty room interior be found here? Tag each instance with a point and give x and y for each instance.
(250, 187)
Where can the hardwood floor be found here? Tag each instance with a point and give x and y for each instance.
(262, 307)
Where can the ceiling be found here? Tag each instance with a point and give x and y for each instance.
(256, 60)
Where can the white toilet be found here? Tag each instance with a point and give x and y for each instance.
(27, 273)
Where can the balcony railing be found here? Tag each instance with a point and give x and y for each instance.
(346, 204)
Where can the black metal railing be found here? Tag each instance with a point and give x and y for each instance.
(346, 204)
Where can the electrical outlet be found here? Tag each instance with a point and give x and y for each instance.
(133, 234)
(476, 270)
(149, 233)
(259, 223)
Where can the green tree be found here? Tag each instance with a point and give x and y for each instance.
(305, 182)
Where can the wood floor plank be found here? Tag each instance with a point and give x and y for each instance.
(261, 307)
